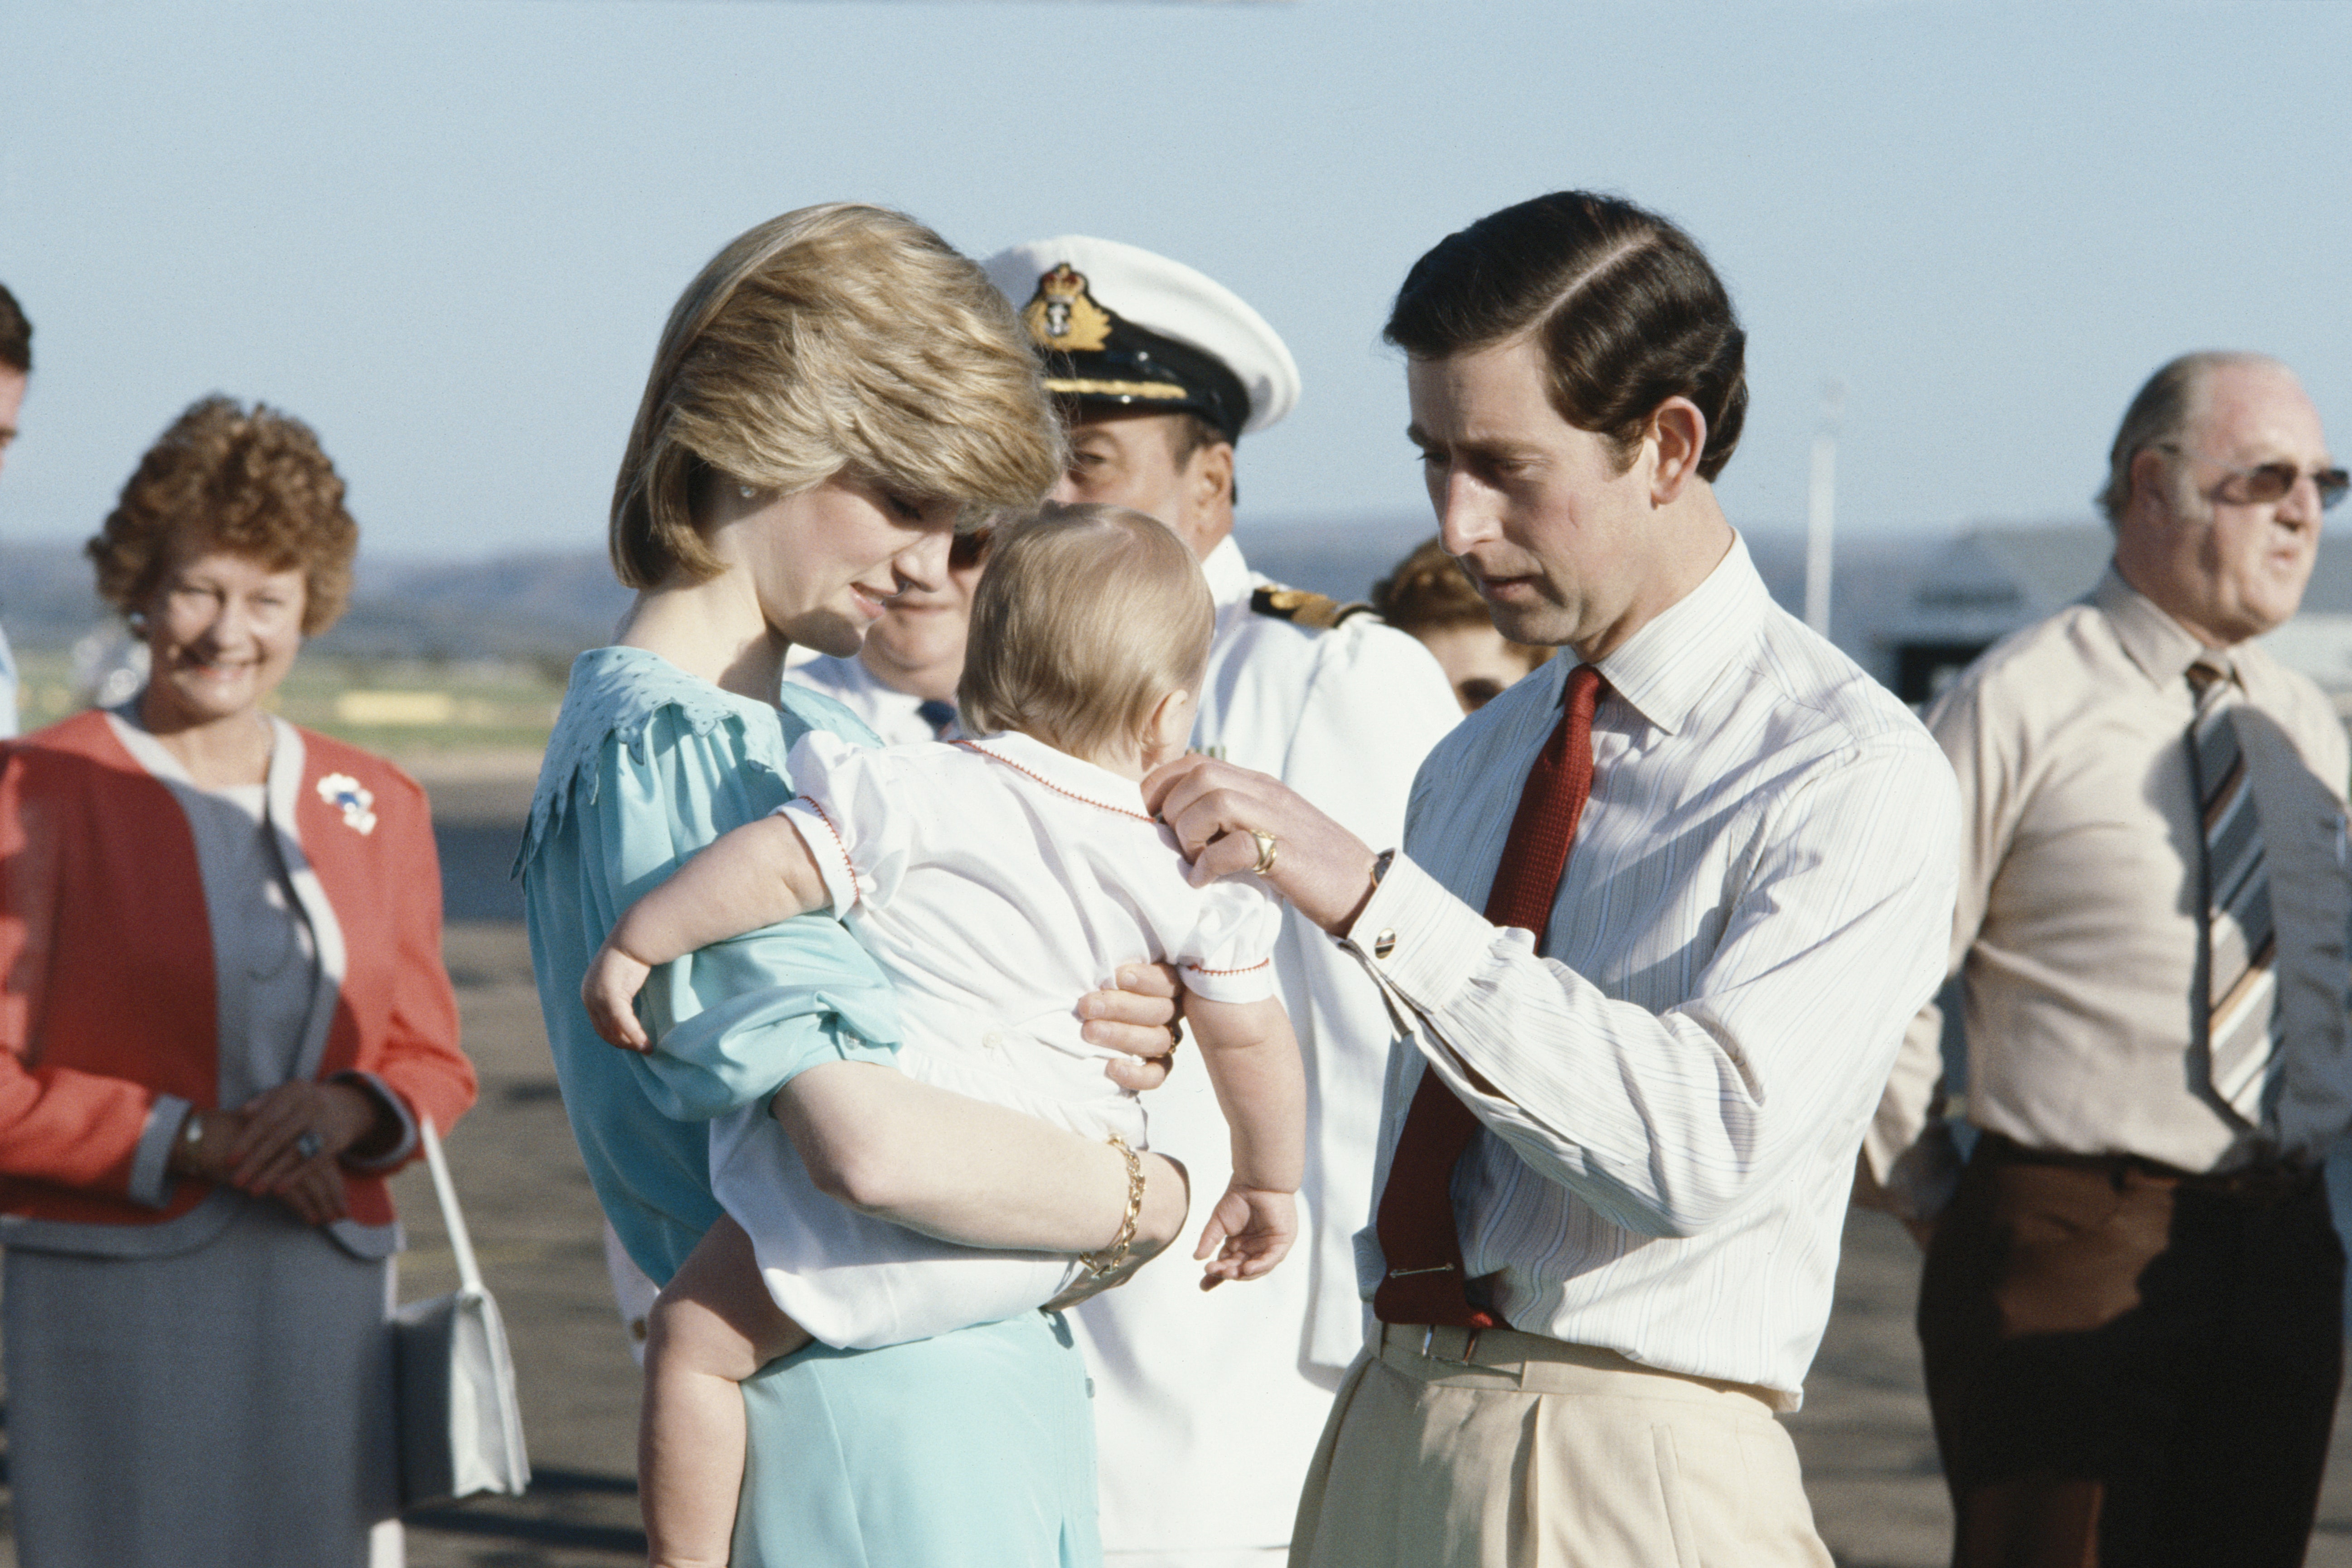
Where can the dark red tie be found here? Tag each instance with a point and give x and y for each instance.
(1424, 1282)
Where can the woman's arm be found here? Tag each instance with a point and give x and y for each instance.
(968, 1171)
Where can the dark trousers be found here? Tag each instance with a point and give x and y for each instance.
(2128, 1365)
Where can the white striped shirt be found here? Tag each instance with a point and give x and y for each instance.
(1758, 901)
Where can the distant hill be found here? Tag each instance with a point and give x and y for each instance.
(543, 606)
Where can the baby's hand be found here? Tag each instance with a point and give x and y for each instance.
(611, 986)
(1249, 1231)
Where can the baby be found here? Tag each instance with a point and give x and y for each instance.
(993, 880)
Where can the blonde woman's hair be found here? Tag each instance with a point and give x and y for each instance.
(834, 338)
(1087, 616)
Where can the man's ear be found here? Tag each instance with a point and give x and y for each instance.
(1209, 484)
(1678, 433)
(2148, 483)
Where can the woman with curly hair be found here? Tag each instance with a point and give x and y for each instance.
(224, 1014)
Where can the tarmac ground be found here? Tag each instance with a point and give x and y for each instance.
(1869, 1460)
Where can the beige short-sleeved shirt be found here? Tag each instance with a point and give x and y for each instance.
(2079, 914)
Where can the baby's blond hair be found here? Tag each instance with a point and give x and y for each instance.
(1087, 616)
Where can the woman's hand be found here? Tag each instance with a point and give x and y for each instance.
(609, 991)
(1138, 1013)
(206, 1157)
(293, 1135)
(315, 1192)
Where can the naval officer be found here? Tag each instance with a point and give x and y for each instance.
(1207, 1407)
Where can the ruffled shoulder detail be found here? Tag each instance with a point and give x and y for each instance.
(618, 695)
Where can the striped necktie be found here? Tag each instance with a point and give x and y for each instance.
(1424, 1283)
(2243, 1030)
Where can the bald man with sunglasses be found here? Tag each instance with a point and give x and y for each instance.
(2131, 1313)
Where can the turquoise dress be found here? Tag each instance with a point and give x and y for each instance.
(976, 1447)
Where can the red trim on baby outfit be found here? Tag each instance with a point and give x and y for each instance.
(1049, 784)
(1204, 969)
(826, 817)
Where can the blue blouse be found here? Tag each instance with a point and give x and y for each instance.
(648, 764)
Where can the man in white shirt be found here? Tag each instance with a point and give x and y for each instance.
(15, 371)
(1715, 861)
(902, 681)
(1206, 1407)
(2132, 1308)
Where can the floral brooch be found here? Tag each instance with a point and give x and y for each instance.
(357, 801)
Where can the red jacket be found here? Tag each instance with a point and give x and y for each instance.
(106, 964)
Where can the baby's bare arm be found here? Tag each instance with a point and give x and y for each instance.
(760, 874)
(1252, 1058)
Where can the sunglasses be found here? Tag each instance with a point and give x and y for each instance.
(2267, 483)
(965, 551)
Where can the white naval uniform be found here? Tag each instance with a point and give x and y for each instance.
(894, 715)
(1207, 1407)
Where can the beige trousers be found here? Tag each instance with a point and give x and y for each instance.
(1532, 1452)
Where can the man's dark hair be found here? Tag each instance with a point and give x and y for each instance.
(1624, 305)
(15, 335)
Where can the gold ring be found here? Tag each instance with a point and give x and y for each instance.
(1264, 866)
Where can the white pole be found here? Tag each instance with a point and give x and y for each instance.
(1820, 510)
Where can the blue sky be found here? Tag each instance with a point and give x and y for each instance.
(445, 234)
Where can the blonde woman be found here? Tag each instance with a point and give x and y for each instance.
(990, 876)
(835, 395)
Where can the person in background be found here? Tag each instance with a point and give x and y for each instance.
(223, 1014)
(902, 682)
(16, 373)
(1659, 919)
(1430, 598)
(2132, 1310)
(1207, 1406)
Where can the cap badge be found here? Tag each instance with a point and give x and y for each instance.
(1062, 316)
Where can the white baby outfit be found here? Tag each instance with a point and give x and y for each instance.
(995, 881)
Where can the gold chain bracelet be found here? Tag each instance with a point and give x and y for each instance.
(1110, 1257)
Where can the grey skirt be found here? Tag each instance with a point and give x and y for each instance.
(230, 1405)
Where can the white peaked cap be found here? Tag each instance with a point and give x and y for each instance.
(1166, 298)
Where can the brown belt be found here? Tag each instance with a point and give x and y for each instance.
(2260, 1184)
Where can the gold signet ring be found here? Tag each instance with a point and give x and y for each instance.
(1264, 866)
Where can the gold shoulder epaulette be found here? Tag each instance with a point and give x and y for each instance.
(1316, 612)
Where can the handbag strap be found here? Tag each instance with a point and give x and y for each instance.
(469, 1277)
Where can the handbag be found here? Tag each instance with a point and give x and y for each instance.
(460, 1422)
